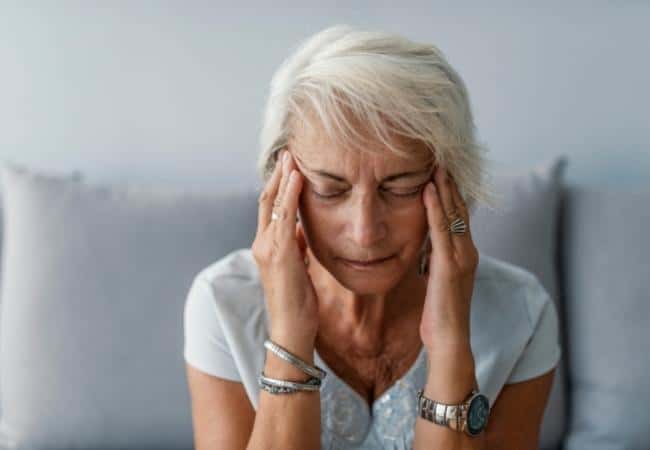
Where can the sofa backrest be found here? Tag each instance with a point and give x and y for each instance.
(95, 280)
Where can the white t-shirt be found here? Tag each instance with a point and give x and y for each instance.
(514, 337)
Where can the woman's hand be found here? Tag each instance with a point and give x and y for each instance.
(445, 324)
(279, 249)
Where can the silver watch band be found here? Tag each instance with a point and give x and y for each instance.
(453, 416)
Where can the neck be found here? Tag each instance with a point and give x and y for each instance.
(366, 320)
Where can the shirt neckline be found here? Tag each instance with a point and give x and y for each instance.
(377, 401)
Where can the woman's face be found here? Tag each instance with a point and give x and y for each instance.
(361, 206)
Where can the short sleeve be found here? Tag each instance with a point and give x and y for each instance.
(542, 352)
(205, 346)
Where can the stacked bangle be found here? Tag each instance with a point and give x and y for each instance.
(276, 386)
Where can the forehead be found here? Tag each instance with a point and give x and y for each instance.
(312, 143)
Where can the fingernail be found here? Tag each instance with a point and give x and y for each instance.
(285, 156)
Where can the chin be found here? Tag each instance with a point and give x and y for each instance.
(377, 280)
(366, 285)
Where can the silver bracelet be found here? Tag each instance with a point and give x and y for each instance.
(275, 386)
(314, 371)
(431, 410)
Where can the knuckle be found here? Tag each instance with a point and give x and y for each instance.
(264, 196)
(259, 251)
(470, 261)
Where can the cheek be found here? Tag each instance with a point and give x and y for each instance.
(317, 222)
(412, 216)
(411, 229)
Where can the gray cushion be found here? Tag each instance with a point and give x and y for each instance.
(524, 231)
(606, 264)
(73, 176)
(91, 332)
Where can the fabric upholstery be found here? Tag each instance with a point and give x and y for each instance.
(91, 333)
(524, 232)
(94, 283)
(606, 265)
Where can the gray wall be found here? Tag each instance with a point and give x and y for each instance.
(172, 93)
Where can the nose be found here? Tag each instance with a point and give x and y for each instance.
(367, 219)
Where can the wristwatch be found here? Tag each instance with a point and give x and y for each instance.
(470, 416)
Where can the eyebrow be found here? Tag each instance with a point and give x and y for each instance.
(392, 177)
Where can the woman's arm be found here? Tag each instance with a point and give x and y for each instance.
(287, 421)
(445, 322)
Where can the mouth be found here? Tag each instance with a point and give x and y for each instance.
(366, 264)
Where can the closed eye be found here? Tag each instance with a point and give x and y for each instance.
(410, 193)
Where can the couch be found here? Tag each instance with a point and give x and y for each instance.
(94, 279)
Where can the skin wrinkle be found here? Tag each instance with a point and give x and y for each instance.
(340, 179)
(369, 332)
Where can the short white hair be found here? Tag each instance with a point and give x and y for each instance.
(389, 83)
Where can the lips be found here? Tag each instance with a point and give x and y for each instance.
(367, 262)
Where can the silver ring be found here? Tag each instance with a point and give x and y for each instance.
(458, 226)
(277, 215)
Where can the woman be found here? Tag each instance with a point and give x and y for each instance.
(363, 286)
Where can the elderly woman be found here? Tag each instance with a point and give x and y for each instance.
(363, 316)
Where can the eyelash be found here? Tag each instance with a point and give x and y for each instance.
(410, 194)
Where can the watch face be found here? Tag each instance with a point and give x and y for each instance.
(477, 414)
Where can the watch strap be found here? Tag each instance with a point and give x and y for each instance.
(453, 416)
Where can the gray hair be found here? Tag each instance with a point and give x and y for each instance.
(388, 83)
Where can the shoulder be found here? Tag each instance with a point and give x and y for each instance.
(238, 264)
(498, 282)
(225, 320)
(233, 282)
(491, 269)
(510, 310)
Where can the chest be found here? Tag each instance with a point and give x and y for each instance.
(370, 376)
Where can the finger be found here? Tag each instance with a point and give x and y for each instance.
(459, 202)
(440, 240)
(266, 198)
(444, 191)
(285, 176)
(464, 242)
(286, 224)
